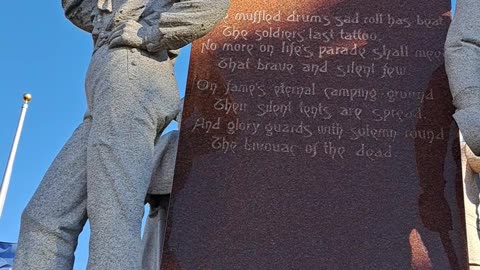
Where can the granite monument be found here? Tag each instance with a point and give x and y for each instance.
(319, 135)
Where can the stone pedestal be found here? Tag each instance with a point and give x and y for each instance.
(319, 135)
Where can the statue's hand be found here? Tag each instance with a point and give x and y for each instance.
(128, 34)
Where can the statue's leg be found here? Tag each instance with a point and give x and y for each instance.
(56, 214)
(134, 97)
(154, 232)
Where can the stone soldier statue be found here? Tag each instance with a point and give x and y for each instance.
(103, 172)
(158, 196)
(462, 61)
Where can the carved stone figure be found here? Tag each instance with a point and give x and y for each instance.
(462, 59)
(158, 197)
(103, 172)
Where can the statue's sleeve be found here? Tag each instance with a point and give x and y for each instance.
(462, 60)
(187, 20)
(79, 12)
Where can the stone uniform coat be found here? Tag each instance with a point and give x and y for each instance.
(462, 62)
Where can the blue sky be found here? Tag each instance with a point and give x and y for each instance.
(45, 55)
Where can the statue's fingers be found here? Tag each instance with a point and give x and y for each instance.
(132, 41)
(115, 35)
(132, 24)
(116, 42)
(128, 23)
(128, 32)
(136, 42)
(119, 27)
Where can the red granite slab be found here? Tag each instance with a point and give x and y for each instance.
(318, 135)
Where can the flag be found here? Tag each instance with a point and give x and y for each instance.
(7, 254)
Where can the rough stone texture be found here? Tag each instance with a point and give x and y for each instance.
(264, 177)
(104, 170)
(471, 166)
(154, 232)
(462, 55)
(158, 197)
(164, 164)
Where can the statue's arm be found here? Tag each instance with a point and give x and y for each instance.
(184, 22)
(462, 61)
(79, 12)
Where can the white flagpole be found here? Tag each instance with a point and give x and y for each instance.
(8, 171)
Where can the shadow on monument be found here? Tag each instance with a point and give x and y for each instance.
(240, 209)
